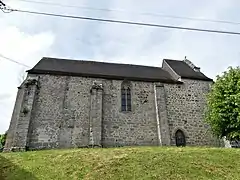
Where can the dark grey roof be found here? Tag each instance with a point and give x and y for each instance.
(185, 71)
(101, 70)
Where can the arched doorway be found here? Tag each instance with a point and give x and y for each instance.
(180, 138)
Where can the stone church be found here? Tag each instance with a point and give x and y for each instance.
(68, 103)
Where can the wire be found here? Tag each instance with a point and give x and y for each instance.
(139, 13)
(4, 8)
(127, 22)
(2, 4)
(14, 61)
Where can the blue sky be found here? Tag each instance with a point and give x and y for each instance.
(26, 38)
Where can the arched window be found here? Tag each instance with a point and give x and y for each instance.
(180, 138)
(126, 96)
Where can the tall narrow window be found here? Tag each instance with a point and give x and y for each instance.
(126, 97)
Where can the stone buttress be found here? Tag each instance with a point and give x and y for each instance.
(17, 138)
(95, 122)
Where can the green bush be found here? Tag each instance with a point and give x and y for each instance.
(2, 140)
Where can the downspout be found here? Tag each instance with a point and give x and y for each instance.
(91, 138)
(157, 115)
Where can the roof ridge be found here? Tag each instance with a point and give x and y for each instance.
(173, 60)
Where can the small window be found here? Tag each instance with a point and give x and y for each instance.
(126, 97)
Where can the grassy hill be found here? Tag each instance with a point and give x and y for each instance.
(122, 163)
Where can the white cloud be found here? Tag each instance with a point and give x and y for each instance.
(19, 45)
(26, 38)
(24, 48)
(212, 52)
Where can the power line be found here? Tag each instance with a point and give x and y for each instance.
(137, 13)
(4, 8)
(2, 4)
(14, 61)
(126, 22)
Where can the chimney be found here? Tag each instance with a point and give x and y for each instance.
(189, 63)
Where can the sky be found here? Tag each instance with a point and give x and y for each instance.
(27, 38)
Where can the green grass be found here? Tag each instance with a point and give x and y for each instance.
(122, 163)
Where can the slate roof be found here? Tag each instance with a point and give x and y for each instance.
(101, 70)
(185, 71)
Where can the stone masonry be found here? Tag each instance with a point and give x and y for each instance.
(62, 111)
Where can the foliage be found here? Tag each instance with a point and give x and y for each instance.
(2, 140)
(223, 110)
(122, 163)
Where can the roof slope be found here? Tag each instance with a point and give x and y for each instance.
(101, 70)
(185, 71)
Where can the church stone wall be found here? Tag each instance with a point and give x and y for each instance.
(61, 115)
(185, 110)
(68, 112)
(138, 127)
(62, 112)
(47, 117)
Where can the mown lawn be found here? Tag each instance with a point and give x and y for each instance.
(122, 163)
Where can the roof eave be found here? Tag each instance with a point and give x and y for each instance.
(170, 81)
(199, 79)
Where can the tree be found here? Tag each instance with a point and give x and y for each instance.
(2, 140)
(223, 105)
